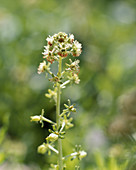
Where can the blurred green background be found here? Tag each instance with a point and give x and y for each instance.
(105, 124)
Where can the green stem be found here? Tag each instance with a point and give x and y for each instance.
(60, 163)
(47, 120)
(65, 83)
(53, 149)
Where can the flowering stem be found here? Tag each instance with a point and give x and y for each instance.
(60, 163)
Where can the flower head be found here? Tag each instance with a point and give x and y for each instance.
(60, 45)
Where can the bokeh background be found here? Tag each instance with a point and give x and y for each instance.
(105, 124)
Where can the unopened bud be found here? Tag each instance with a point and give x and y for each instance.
(42, 149)
(82, 154)
(35, 118)
(52, 137)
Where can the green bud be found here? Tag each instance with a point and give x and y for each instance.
(42, 149)
(52, 137)
(35, 118)
(82, 154)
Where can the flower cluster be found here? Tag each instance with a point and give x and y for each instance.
(74, 78)
(73, 66)
(78, 153)
(61, 45)
(72, 71)
(52, 94)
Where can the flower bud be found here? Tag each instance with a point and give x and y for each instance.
(82, 154)
(76, 78)
(52, 137)
(42, 149)
(35, 118)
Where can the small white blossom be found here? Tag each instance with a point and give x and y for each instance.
(71, 37)
(67, 46)
(76, 51)
(42, 67)
(50, 40)
(77, 44)
(46, 51)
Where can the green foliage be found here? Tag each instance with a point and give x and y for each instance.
(111, 163)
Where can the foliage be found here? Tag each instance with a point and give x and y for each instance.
(111, 163)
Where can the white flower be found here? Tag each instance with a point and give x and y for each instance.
(77, 44)
(71, 37)
(78, 52)
(67, 46)
(42, 67)
(75, 63)
(52, 137)
(50, 40)
(76, 49)
(46, 51)
(82, 154)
